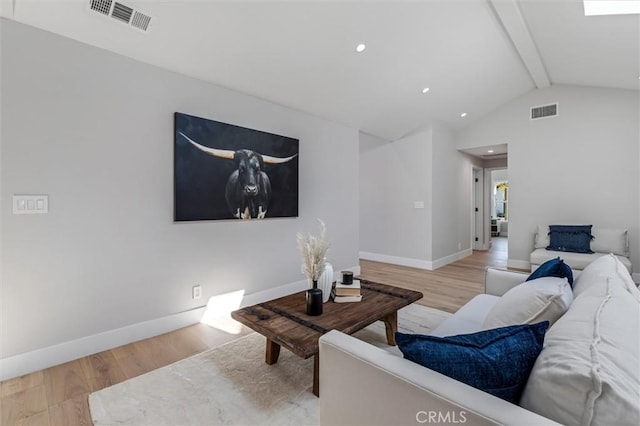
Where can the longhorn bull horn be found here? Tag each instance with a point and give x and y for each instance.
(222, 153)
(275, 160)
(229, 154)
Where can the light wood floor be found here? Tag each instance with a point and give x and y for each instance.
(446, 288)
(59, 395)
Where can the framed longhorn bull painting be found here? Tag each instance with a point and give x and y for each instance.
(223, 171)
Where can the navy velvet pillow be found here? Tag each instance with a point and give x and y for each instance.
(573, 238)
(553, 268)
(496, 361)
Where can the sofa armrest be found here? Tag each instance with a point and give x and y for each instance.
(361, 384)
(498, 281)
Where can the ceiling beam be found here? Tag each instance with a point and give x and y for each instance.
(509, 14)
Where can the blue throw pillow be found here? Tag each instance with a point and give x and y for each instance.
(496, 361)
(553, 268)
(571, 238)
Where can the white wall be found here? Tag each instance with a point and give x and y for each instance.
(451, 180)
(579, 167)
(394, 175)
(94, 131)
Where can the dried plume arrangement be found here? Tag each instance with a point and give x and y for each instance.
(314, 251)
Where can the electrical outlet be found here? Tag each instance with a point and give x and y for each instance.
(459, 246)
(30, 204)
(196, 292)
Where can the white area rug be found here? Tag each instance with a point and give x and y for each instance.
(232, 385)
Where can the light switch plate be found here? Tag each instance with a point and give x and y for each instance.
(30, 204)
(196, 292)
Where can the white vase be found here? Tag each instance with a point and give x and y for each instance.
(325, 282)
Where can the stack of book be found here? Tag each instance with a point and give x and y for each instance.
(344, 293)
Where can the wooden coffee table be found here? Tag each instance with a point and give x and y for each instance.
(284, 322)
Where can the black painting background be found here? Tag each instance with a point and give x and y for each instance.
(200, 178)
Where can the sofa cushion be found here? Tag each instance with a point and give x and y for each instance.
(542, 237)
(543, 299)
(496, 361)
(587, 372)
(607, 268)
(577, 261)
(627, 281)
(553, 268)
(469, 318)
(571, 238)
(610, 241)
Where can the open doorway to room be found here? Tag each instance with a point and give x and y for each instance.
(489, 203)
(499, 208)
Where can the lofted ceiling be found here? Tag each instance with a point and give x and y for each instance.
(473, 55)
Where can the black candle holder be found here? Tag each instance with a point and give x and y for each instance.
(347, 277)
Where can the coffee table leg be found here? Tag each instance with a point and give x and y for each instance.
(391, 326)
(273, 352)
(316, 371)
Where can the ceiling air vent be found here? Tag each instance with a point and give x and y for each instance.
(141, 21)
(102, 6)
(123, 13)
(544, 111)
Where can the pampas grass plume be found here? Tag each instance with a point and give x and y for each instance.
(314, 252)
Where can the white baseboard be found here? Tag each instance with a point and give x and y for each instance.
(518, 264)
(396, 260)
(416, 263)
(40, 359)
(438, 263)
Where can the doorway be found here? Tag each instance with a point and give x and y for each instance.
(499, 207)
(486, 160)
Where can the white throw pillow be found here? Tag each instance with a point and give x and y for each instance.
(542, 237)
(587, 372)
(610, 241)
(542, 299)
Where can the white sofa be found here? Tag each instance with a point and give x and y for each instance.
(605, 241)
(578, 378)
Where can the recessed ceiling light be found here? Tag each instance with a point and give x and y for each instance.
(611, 7)
(360, 48)
(463, 115)
(490, 151)
(425, 90)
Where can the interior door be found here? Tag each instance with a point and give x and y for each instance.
(476, 205)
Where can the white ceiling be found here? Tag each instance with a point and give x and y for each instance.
(492, 152)
(473, 54)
